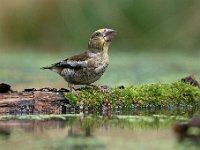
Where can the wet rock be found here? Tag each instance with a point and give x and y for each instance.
(191, 80)
(45, 89)
(4, 88)
(29, 90)
(188, 130)
(105, 87)
(121, 87)
(63, 90)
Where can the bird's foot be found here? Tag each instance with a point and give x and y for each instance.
(103, 88)
(73, 90)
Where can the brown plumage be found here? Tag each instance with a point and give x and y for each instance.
(88, 67)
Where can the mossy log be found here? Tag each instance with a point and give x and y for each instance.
(184, 93)
(178, 94)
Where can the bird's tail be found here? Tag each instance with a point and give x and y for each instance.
(47, 67)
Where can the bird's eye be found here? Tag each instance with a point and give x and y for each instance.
(97, 34)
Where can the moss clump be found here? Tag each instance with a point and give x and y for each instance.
(158, 95)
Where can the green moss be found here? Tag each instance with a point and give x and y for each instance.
(157, 95)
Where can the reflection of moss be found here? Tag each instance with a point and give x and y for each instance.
(195, 131)
(91, 122)
(154, 121)
(156, 95)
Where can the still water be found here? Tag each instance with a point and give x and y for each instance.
(93, 132)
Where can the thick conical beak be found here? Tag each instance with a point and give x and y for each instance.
(109, 34)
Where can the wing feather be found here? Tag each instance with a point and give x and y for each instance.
(74, 62)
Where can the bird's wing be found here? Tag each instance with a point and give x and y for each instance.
(74, 62)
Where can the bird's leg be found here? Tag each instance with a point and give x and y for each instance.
(72, 89)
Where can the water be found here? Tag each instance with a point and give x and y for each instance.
(92, 132)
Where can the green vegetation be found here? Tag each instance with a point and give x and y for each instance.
(130, 122)
(147, 24)
(94, 121)
(152, 95)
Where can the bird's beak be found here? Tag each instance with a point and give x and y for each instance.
(109, 34)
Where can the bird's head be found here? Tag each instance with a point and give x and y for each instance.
(101, 39)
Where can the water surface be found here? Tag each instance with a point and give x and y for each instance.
(151, 131)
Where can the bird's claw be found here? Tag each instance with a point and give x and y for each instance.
(104, 89)
(73, 90)
(76, 93)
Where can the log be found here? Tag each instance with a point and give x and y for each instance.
(31, 101)
(53, 101)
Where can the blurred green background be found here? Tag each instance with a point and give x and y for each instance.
(157, 41)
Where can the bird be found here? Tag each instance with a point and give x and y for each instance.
(89, 66)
